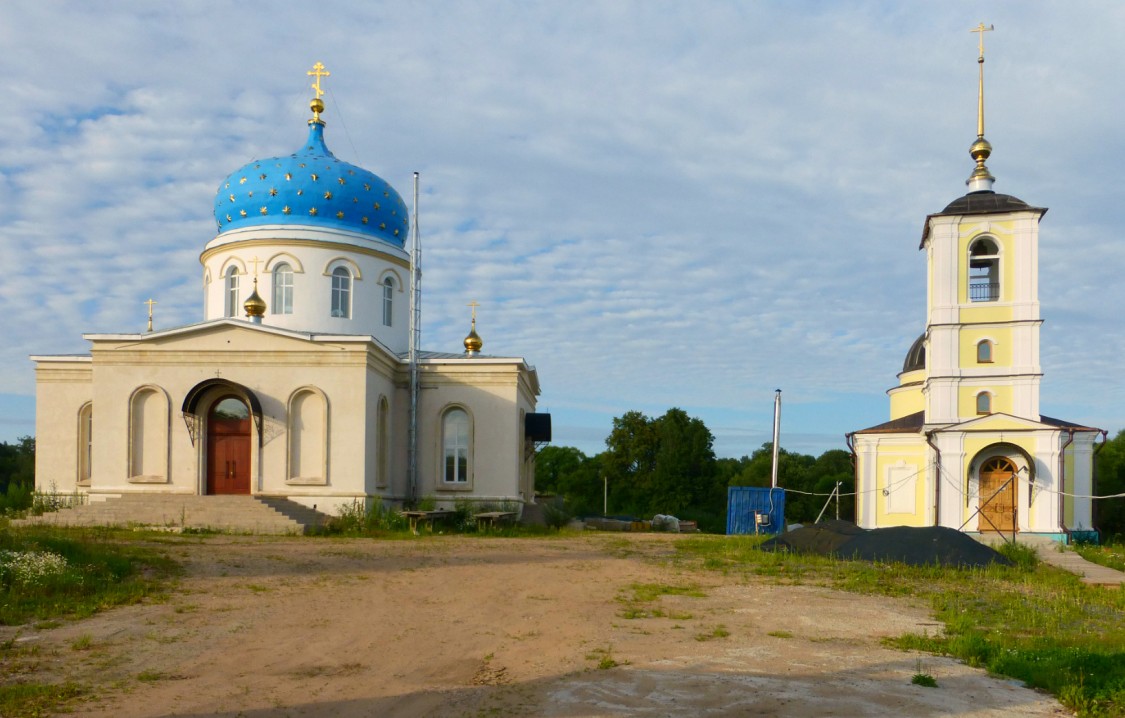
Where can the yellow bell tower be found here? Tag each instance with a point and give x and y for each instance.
(966, 446)
(982, 305)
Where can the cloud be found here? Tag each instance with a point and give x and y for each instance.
(657, 205)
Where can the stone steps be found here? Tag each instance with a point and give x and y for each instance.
(236, 514)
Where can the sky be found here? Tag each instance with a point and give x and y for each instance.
(657, 204)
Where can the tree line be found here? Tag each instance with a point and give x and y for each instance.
(667, 465)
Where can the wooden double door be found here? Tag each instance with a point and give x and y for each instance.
(228, 447)
(997, 495)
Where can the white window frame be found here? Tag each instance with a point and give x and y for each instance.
(456, 445)
(230, 292)
(341, 306)
(282, 289)
(388, 301)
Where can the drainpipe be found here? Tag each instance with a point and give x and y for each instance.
(849, 439)
(937, 476)
(1062, 482)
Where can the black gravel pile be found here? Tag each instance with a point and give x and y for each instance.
(925, 546)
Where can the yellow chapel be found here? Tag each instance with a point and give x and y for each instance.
(966, 446)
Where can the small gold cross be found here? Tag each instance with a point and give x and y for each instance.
(319, 71)
(981, 30)
(150, 303)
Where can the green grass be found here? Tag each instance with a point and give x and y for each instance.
(638, 597)
(1031, 621)
(719, 631)
(1112, 555)
(38, 699)
(51, 573)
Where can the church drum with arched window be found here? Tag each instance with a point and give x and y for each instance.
(228, 447)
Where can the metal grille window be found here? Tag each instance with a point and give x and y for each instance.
(984, 271)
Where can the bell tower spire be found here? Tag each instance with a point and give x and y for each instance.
(981, 179)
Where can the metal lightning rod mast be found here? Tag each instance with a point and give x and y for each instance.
(415, 341)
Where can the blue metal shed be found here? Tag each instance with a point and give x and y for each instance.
(755, 510)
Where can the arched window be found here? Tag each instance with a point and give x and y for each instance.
(341, 293)
(456, 447)
(984, 271)
(231, 304)
(984, 403)
(388, 300)
(85, 443)
(282, 289)
(984, 352)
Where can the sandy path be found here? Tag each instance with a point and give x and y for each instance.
(481, 627)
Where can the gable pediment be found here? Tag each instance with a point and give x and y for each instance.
(998, 422)
(228, 335)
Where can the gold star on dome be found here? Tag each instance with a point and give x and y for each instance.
(300, 192)
(341, 180)
(382, 225)
(327, 195)
(286, 210)
(242, 181)
(229, 219)
(396, 232)
(232, 198)
(351, 172)
(364, 220)
(312, 211)
(376, 205)
(288, 176)
(339, 215)
(315, 176)
(355, 200)
(241, 213)
(273, 191)
(366, 187)
(262, 176)
(263, 210)
(227, 186)
(301, 165)
(250, 193)
(386, 194)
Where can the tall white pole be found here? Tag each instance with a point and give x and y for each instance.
(415, 337)
(776, 435)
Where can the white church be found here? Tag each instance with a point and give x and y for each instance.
(304, 380)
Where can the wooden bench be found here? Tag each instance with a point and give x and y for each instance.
(491, 519)
(425, 517)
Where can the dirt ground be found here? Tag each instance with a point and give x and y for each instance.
(456, 626)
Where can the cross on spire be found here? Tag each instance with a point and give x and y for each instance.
(980, 30)
(150, 303)
(255, 261)
(319, 71)
(474, 304)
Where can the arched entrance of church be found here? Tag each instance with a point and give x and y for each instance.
(228, 446)
(997, 495)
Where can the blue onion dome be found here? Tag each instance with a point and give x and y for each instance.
(312, 188)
